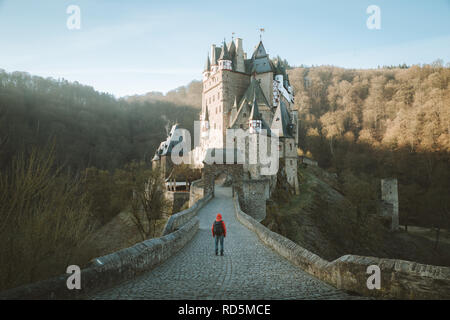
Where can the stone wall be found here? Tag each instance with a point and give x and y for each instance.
(308, 161)
(179, 219)
(196, 192)
(400, 279)
(109, 270)
(177, 199)
(254, 195)
(219, 92)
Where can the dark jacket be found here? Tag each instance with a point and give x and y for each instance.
(219, 218)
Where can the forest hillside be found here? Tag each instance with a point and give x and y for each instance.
(366, 125)
(91, 129)
(363, 125)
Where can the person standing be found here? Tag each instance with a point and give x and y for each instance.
(219, 232)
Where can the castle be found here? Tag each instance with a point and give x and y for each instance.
(248, 94)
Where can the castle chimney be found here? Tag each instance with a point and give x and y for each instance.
(239, 55)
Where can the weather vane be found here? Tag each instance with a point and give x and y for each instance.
(261, 30)
(232, 36)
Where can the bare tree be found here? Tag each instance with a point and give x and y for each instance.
(148, 204)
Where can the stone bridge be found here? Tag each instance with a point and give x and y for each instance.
(248, 270)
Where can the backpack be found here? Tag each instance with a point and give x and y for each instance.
(218, 228)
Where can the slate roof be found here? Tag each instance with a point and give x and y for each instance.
(224, 55)
(255, 89)
(166, 147)
(217, 52)
(260, 51)
(282, 121)
(261, 65)
(249, 107)
(232, 48)
(255, 114)
(246, 102)
(258, 63)
(208, 64)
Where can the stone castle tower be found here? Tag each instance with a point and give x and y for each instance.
(251, 94)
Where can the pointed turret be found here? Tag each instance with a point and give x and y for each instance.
(282, 121)
(256, 121)
(232, 49)
(260, 51)
(224, 55)
(225, 59)
(207, 64)
(254, 114)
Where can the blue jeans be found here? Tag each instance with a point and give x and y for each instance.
(217, 239)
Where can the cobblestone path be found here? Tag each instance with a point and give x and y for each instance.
(248, 269)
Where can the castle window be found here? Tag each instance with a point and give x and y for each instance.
(254, 126)
(290, 146)
(291, 162)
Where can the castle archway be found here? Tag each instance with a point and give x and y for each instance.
(211, 171)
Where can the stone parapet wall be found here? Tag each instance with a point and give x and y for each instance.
(196, 192)
(254, 195)
(179, 219)
(111, 269)
(400, 279)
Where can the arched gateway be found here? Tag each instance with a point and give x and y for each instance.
(252, 192)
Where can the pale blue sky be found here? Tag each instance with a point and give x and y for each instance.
(136, 46)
